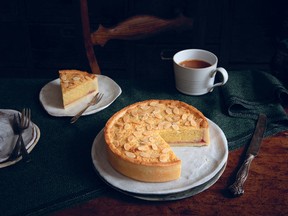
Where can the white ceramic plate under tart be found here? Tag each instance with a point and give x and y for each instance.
(199, 165)
(174, 196)
(51, 98)
(8, 139)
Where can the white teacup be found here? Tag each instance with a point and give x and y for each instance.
(195, 71)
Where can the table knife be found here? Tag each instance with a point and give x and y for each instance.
(236, 188)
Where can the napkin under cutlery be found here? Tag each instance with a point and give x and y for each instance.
(248, 93)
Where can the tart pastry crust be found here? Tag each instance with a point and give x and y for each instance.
(139, 138)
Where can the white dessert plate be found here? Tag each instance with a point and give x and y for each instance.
(8, 139)
(199, 165)
(174, 196)
(51, 98)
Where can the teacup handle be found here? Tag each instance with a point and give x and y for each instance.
(224, 75)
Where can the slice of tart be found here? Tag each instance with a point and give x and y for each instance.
(139, 138)
(77, 85)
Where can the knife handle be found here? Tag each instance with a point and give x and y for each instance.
(237, 187)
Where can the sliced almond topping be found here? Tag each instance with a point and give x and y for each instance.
(118, 136)
(151, 139)
(87, 78)
(190, 117)
(116, 143)
(169, 118)
(118, 123)
(167, 125)
(168, 111)
(127, 126)
(176, 111)
(174, 103)
(176, 118)
(187, 123)
(145, 140)
(154, 155)
(136, 133)
(126, 118)
(134, 113)
(166, 150)
(193, 123)
(175, 126)
(198, 121)
(149, 127)
(144, 117)
(154, 147)
(143, 148)
(127, 146)
(130, 154)
(154, 103)
(158, 115)
(135, 121)
(160, 125)
(147, 133)
(131, 139)
(76, 78)
(160, 106)
(156, 110)
(145, 154)
(145, 107)
(184, 116)
(139, 128)
(149, 121)
(64, 77)
(164, 157)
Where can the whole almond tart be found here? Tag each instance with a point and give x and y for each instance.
(139, 138)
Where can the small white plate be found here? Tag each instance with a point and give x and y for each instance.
(199, 165)
(31, 137)
(51, 98)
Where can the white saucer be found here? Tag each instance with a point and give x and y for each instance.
(51, 99)
(30, 136)
(199, 166)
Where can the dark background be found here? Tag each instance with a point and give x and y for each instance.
(40, 37)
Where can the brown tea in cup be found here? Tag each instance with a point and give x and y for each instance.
(194, 63)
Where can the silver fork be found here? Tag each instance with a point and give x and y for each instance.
(94, 101)
(22, 123)
(25, 122)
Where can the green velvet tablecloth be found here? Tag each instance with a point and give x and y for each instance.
(61, 171)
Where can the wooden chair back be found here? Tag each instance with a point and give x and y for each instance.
(136, 27)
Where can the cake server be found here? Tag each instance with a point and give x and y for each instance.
(237, 187)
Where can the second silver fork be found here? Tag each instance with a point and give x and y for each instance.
(94, 101)
(22, 123)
